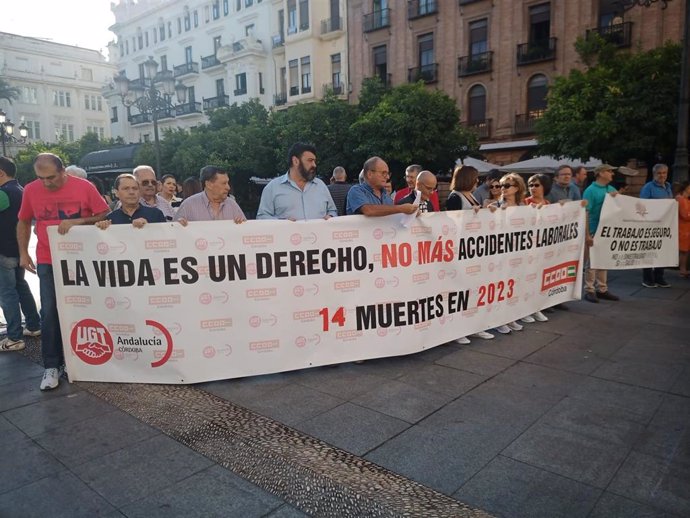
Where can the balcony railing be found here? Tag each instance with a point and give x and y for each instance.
(280, 99)
(294, 90)
(211, 103)
(187, 68)
(526, 122)
(482, 128)
(277, 40)
(427, 73)
(239, 91)
(165, 113)
(419, 8)
(377, 20)
(535, 51)
(474, 64)
(619, 35)
(336, 88)
(306, 89)
(209, 61)
(113, 119)
(331, 25)
(140, 118)
(187, 108)
(465, 2)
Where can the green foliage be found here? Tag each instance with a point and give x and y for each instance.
(7, 91)
(615, 110)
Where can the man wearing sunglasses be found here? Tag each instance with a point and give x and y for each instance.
(146, 177)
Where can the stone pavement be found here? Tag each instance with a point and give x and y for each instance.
(585, 415)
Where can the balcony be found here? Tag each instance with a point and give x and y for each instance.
(165, 113)
(525, 123)
(280, 99)
(619, 35)
(427, 73)
(481, 128)
(536, 51)
(475, 64)
(113, 119)
(377, 20)
(336, 88)
(466, 2)
(294, 90)
(239, 91)
(419, 8)
(140, 118)
(187, 109)
(306, 89)
(188, 68)
(331, 28)
(278, 41)
(209, 62)
(211, 103)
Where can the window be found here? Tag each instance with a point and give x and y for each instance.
(281, 24)
(294, 77)
(537, 88)
(155, 36)
(169, 29)
(29, 95)
(239, 5)
(188, 54)
(478, 37)
(261, 83)
(179, 25)
(187, 20)
(196, 18)
(226, 7)
(99, 131)
(292, 16)
(249, 30)
(216, 9)
(146, 38)
(64, 131)
(476, 106)
(248, 3)
(335, 71)
(305, 64)
(87, 74)
(381, 63)
(425, 44)
(34, 129)
(164, 62)
(113, 114)
(283, 80)
(191, 96)
(240, 84)
(220, 87)
(142, 71)
(93, 102)
(140, 39)
(540, 24)
(303, 15)
(122, 49)
(127, 47)
(161, 29)
(216, 43)
(62, 98)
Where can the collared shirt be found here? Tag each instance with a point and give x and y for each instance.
(161, 204)
(339, 192)
(424, 206)
(654, 191)
(405, 191)
(150, 214)
(198, 208)
(363, 194)
(558, 193)
(283, 199)
(595, 195)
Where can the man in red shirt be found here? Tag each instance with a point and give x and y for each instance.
(54, 198)
(411, 178)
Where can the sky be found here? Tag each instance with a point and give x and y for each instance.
(75, 22)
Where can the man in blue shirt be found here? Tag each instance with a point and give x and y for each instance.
(657, 189)
(131, 210)
(298, 194)
(371, 198)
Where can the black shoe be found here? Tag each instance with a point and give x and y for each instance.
(591, 297)
(663, 284)
(606, 295)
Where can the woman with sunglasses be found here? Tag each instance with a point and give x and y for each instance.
(494, 193)
(539, 186)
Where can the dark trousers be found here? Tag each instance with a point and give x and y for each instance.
(51, 339)
(653, 275)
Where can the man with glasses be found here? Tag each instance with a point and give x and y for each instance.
(370, 198)
(55, 198)
(563, 188)
(411, 174)
(146, 177)
(426, 185)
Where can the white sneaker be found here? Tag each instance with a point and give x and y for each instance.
(463, 340)
(484, 335)
(7, 344)
(28, 332)
(529, 319)
(515, 326)
(504, 329)
(51, 379)
(540, 317)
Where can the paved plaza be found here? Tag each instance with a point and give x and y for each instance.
(585, 415)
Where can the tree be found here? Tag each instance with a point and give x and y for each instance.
(622, 106)
(8, 92)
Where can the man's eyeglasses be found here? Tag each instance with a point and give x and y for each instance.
(148, 182)
(495, 185)
(507, 185)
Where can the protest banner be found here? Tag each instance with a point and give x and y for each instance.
(215, 300)
(635, 233)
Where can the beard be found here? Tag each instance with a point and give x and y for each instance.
(307, 174)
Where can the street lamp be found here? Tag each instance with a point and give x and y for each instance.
(7, 131)
(150, 96)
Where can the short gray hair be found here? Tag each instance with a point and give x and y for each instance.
(74, 170)
(659, 167)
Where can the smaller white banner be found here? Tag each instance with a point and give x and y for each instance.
(635, 233)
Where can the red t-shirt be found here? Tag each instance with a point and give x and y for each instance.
(399, 195)
(77, 198)
(530, 201)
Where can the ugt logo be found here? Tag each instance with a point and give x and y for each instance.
(91, 342)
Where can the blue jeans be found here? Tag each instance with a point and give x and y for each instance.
(51, 339)
(15, 294)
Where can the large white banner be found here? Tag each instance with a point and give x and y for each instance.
(215, 300)
(636, 233)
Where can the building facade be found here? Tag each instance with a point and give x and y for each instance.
(60, 88)
(495, 57)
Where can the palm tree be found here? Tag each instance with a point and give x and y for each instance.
(7, 91)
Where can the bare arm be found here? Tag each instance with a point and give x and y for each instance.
(387, 210)
(23, 236)
(66, 224)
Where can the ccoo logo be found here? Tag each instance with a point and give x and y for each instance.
(91, 342)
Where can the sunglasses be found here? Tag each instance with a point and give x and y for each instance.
(148, 182)
(507, 185)
(496, 186)
(535, 185)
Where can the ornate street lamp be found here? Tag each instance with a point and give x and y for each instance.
(150, 96)
(7, 131)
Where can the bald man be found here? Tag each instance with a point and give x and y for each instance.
(425, 184)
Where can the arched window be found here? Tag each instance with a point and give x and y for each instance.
(537, 88)
(476, 104)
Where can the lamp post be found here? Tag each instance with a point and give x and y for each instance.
(7, 131)
(150, 96)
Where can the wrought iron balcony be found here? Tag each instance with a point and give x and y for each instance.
(187, 108)
(427, 73)
(306, 89)
(619, 35)
(165, 113)
(526, 122)
(482, 127)
(331, 25)
(294, 90)
(336, 88)
(536, 51)
(278, 40)
(474, 64)
(209, 61)
(140, 118)
(187, 68)
(239, 91)
(211, 103)
(377, 20)
(280, 99)
(419, 8)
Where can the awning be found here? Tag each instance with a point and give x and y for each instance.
(547, 164)
(108, 161)
(480, 165)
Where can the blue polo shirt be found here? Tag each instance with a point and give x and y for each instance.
(150, 214)
(654, 191)
(363, 194)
